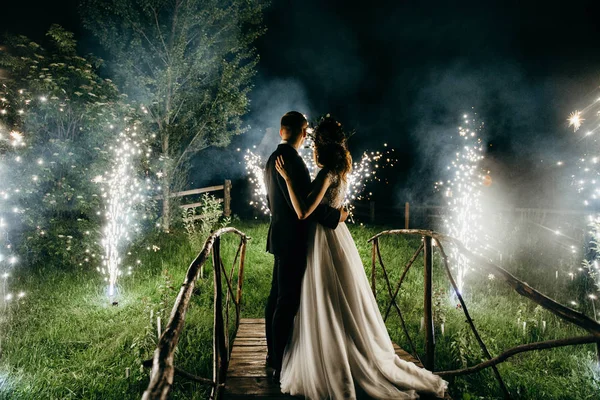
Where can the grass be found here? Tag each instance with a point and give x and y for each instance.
(64, 341)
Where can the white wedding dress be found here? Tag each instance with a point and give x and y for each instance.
(340, 341)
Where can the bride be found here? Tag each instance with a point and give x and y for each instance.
(340, 344)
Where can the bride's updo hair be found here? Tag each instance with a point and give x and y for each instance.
(331, 151)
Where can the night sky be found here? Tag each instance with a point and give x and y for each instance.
(404, 72)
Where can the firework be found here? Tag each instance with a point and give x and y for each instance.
(575, 120)
(586, 181)
(124, 191)
(254, 169)
(11, 142)
(363, 172)
(462, 190)
(587, 178)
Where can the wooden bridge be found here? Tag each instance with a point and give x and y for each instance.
(248, 377)
(239, 370)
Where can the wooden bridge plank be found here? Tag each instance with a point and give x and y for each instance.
(251, 342)
(248, 377)
(253, 321)
(249, 334)
(257, 386)
(248, 349)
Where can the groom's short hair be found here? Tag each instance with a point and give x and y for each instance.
(293, 122)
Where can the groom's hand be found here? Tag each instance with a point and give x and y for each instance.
(343, 214)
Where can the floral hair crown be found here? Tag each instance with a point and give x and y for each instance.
(333, 129)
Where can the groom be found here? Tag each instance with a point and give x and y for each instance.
(288, 236)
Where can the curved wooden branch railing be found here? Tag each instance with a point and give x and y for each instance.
(520, 287)
(548, 344)
(163, 369)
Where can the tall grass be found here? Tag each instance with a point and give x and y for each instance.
(65, 341)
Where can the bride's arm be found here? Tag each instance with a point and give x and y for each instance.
(304, 207)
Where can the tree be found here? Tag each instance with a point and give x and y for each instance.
(62, 111)
(189, 63)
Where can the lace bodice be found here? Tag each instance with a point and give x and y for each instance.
(336, 193)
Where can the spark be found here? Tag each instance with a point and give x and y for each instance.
(462, 189)
(363, 172)
(254, 169)
(575, 120)
(585, 181)
(125, 193)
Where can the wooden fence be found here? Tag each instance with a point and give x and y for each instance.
(163, 367)
(428, 215)
(228, 290)
(426, 247)
(226, 200)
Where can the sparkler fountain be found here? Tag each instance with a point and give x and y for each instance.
(463, 192)
(586, 181)
(363, 172)
(11, 141)
(68, 115)
(124, 192)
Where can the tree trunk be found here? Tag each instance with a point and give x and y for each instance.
(166, 206)
(166, 185)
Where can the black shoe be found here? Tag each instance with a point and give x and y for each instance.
(277, 376)
(269, 362)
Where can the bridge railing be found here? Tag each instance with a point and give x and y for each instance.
(426, 247)
(163, 368)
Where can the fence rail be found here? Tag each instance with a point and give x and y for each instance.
(163, 368)
(522, 288)
(374, 212)
(226, 200)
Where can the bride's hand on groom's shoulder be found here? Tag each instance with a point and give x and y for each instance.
(282, 168)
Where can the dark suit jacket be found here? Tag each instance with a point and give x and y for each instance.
(288, 236)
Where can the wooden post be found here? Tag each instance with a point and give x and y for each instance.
(373, 254)
(240, 282)
(227, 198)
(406, 215)
(428, 315)
(372, 211)
(220, 352)
(161, 378)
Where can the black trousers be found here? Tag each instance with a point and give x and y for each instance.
(283, 304)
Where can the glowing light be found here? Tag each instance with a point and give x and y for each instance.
(462, 190)
(124, 192)
(575, 120)
(585, 182)
(363, 172)
(254, 168)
